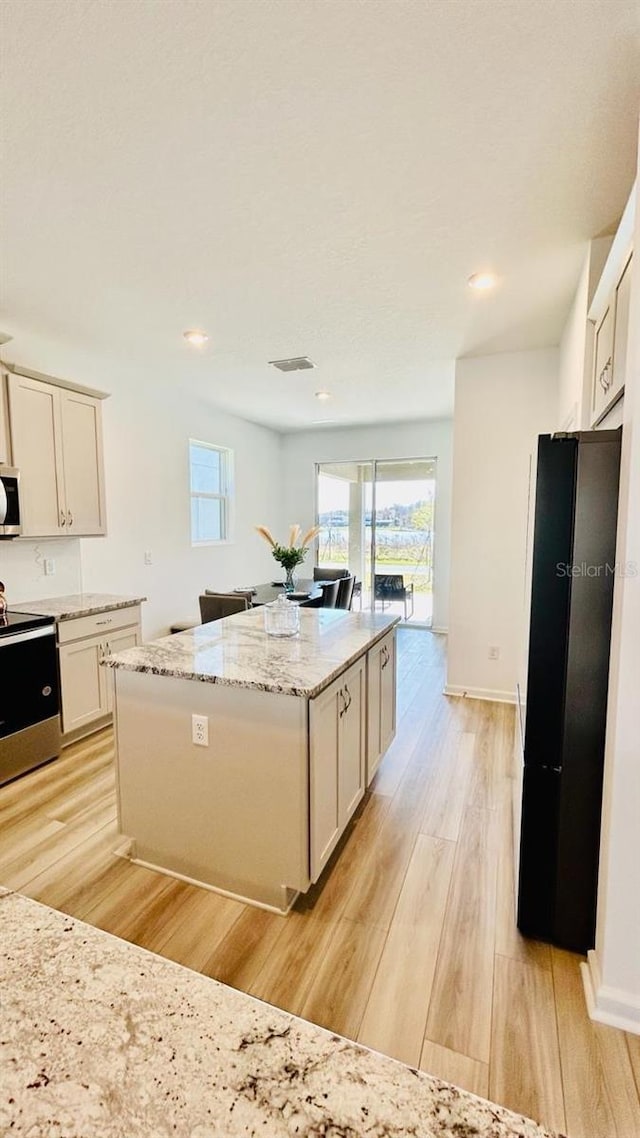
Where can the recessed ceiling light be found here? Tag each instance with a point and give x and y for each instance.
(482, 280)
(195, 337)
(323, 395)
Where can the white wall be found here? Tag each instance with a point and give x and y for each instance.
(502, 403)
(146, 432)
(423, 438)
(613, 979)
(22, 568)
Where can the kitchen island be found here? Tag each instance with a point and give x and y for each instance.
(242, 757)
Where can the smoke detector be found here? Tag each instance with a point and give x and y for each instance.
(297, 363)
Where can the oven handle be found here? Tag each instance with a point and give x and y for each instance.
(31, 634)
(4, 505)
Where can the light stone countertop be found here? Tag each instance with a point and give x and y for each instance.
(77, 604)
(102, 1039)
(237, 651)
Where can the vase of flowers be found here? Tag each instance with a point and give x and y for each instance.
(291, 555)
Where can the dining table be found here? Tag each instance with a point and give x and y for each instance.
(306, 590)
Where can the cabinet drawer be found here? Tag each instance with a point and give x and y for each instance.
(99, 624)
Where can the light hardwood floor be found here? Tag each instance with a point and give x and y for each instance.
(407, 944)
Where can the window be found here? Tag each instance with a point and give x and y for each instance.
(210, 479)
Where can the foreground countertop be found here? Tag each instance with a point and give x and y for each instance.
(237, 651)
(101, 1039)
(77, 604)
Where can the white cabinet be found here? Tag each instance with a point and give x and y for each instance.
(83, 687)
(621, 330)
(337, 729)
(381, 702)
(610, 347)
(56, 442)
(86, 687)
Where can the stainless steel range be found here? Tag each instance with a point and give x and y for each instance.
(29, 693)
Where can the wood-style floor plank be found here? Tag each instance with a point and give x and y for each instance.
(460, 1009)
(525, 1068)
(633, 1045)
(338, 996)
(396, 1011)
(455, 1068)
(448, 786)
(599, 1089)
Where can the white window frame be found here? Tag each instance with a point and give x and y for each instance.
(225, 496)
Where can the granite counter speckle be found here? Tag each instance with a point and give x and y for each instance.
(237, 651)
(77, 604)
(101, 1039)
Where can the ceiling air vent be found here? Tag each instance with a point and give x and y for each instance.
(298, 363)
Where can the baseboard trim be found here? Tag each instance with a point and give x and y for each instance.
(608, 1005)
(491, 694)
(214, 888)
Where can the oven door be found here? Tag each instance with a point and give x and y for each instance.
(9, 501)
(29, 689)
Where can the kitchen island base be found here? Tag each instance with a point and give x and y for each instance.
(231, 815)
(256, 806)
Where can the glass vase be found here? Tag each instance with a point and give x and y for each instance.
(289, 580)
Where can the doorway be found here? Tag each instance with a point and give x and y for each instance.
(376, 518)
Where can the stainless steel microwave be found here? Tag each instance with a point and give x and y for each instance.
(10, 525)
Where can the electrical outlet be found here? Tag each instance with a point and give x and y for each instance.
(200, 730)
(49, 567)
(148, 557)
(494, 652)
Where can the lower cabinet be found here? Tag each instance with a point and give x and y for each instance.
(381, 703)
(86, 687)
(337, 728)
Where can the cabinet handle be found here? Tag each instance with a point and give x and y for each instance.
(385, 656)
(63, 518)
(344, 706)
(604, 379)
(70, 515)
(100, 623)
(349, 695)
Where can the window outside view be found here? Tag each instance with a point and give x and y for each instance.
(377, 520)
(209, 485)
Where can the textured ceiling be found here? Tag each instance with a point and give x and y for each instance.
(300, 177)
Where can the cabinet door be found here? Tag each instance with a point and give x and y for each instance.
(324, 730)
(381, 702)
(117, 642)
(34, 410)
(83, 464)
(83, 684)
(621, 332)
(603, 363)
(387, 693)
(351, 741)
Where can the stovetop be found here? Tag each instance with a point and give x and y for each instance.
(14, 621)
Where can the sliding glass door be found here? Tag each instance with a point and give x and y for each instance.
(376, 519)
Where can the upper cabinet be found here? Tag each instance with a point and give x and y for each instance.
(56, 442)
(609, 314)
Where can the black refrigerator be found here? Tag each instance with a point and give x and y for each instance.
(574, 550)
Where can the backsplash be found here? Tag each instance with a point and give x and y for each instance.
(22, 568)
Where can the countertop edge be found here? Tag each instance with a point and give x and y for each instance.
(253, 685)
(39, 608)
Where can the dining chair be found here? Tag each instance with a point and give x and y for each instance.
(330, 594)
(345, 592)
(320, 573)
(215, 606)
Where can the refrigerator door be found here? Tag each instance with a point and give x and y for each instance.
(550, 600)
(538, 846)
